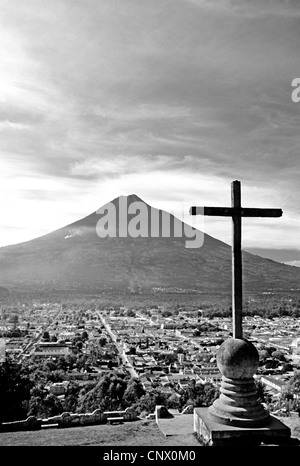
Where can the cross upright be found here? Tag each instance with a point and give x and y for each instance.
(236, 211)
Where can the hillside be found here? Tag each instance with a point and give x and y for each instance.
(76, 258)
(137, 433)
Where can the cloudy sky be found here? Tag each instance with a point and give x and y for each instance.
(168, 99)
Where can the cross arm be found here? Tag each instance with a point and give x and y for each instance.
(232, 211)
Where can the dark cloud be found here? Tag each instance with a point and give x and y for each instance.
(104, 90)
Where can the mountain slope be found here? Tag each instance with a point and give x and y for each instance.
(75, 257)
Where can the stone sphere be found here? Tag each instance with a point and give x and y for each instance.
(237, 359)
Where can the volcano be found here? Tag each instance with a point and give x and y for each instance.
(94, 255)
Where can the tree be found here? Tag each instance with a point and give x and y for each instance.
(133, 392)
(15, 386)
(49, 366)
(286, 367)
(14, 319)
(173, 402)
(262, 394)
(296, 312)
(168, 358)
(46, 336)
(35, 403)
(102, 341)
(108, 394)
(57, 376)
(199, 395)
(110, 365)
(84, 335)
(270, 349)
(272, 363)
(71, 360)
(79, 345)
(70, 401)
(278, 355)
(148, 402)
(42, 404)
(263, 355)
(293, 385)
(62, 363)
(81, 361)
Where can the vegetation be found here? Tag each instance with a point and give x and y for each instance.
(288, 401)
(15, 387)
(270, 358)
(291, 396)
(275, 304)
(115, 391)
(265, 308)
(24, 391)
(24, 388)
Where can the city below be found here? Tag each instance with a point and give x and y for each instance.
(165, 349)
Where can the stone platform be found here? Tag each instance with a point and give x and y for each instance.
(213, 433)
(181, 424)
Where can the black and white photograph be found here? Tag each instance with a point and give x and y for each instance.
(149, 226)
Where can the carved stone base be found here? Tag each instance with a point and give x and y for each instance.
(238, 405)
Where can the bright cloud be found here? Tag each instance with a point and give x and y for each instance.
(171, 100)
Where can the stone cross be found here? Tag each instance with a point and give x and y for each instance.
(236, 211)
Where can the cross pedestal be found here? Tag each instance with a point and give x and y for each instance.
(237, 405)
(237, 414)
